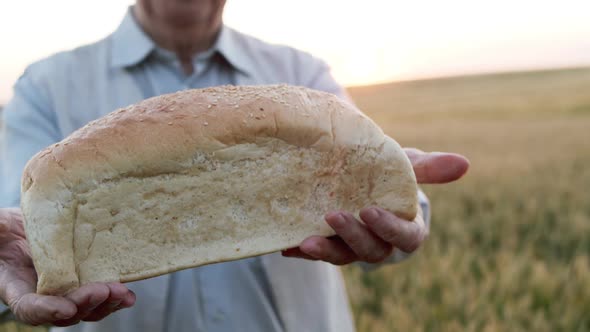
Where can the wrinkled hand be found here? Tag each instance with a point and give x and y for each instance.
(18, 279)
(374, 239)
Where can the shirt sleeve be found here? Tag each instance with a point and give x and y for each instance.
(28, 126)
(323, 80)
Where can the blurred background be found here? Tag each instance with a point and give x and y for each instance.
(505, 83)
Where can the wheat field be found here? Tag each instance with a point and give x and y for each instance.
(509, 248)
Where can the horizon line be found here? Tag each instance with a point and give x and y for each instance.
(419, 78)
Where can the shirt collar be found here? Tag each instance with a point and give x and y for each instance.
(230, 46)
(131, 45)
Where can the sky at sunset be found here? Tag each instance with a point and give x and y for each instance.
(364, 41)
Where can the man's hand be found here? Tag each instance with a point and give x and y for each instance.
(375, 239)
(18, 279)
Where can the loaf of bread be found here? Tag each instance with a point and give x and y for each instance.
(204, 176)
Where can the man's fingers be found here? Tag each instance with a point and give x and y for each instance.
(129, 300)
(120, 297)
(118, 291)
(103, 311)
(4, 228)
(437, 167)
(97, 300)
(32, 308)
(66, 322)
(402, 234)
(11, 225)
(297, 253)
(86, 298)
(36, 309)
(332, 250)
(366, 245)
(89, 296)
